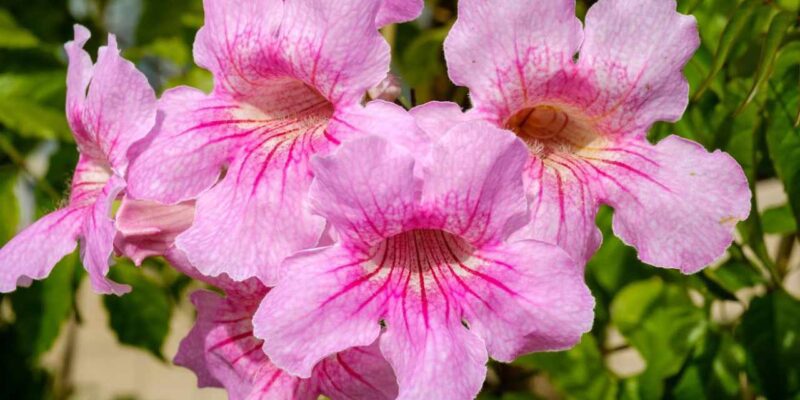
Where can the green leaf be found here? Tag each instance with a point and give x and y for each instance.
(783, 139)
(9, 206)
(33, 120)
(779, 220)
(579, 373)
(735, 275)
(660, 321)
(771, 337)
(422, 61)
(12, 35)
(140, 318)
(42, 308)
(777, 30)
(713, 370)
(736, 25)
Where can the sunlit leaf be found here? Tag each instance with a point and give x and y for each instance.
(12, 35)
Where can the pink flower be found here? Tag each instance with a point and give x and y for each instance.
(223, 352)
(424, 250)
(585, 123)
(118, 110)
(286, 74)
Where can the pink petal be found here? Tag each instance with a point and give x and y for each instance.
(675, 202)
(437, 360)
(257, 215)
(435, 118)
(312, 314)
(148, 228)
(563, 206)
(367, 190)
(79, 73)
(634, 53)
(223, 352)
(394, 11)
(186, 152)
(331, 46)
(359, 373)
(481, 200)
(532, 299)
(119, 109)
(35, 250)
(98, 240)
(530, 43)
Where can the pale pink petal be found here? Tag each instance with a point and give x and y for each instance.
(531, 297)
(119, 109)
(191, 143)
(331, 46)
(257, 215)
(434, 359)
(435, 118)
(367, 190)
(563, 206)
(223, 352)
(675, 202)
(509, 53)
(473, 186)
(120, 106)
(318, 310)
(388, 121)
(35, 250)
(148, 228)
(79, 73)
(97, 242)
(633, 55)
(394, 11)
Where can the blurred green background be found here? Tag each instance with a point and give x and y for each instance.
(729, 332)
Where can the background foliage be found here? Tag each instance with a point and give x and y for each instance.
(732, 331)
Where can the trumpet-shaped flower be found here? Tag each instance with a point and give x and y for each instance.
(223, 352)
(424, 263)
(286, 74)
(585, 122)
(118, 110)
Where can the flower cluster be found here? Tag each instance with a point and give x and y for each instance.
(368, 251)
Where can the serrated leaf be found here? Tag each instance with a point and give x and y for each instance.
(771, 337)
(777, 30)
(12, 35)
(140, 318)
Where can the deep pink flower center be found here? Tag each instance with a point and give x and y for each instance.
(549, 129)
(286, 108)
(429, 252)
